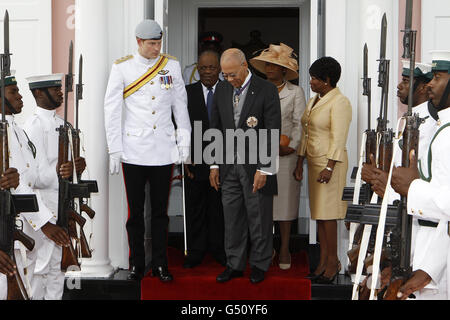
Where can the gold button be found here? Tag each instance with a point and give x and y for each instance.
(151, 82)
(29, 184)
(34, 226)
(28, 165)
(153, 98)
(153, 112)
(154, 127)
(412, 210)
(420, 212)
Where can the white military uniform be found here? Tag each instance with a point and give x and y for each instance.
(140, 126)
(21, 158)
(48, 282)
(430, 200)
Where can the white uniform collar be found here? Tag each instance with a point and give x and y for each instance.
(10, 118)
(45, 113)
(444, 115)
(145, 61)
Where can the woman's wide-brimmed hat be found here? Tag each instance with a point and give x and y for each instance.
(281, 55)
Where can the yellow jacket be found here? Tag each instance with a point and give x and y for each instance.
(325, 127)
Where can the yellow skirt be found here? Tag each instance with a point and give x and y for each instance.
(325, 200)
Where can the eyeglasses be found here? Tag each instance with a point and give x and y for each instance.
(226, 76)
(204, 68)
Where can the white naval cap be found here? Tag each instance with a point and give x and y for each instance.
(441, 60)
(45, 81)
(149, 29)
(420, 70)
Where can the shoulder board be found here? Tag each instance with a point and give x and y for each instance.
(123, 59)
(168, 56)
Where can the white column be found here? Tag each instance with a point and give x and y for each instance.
(91, 40)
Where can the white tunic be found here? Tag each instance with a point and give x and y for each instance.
(141, 126)
(429, 199)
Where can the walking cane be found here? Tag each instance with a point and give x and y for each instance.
(184, 209)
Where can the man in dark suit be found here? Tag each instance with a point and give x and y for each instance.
(249, 107)
(204, 212)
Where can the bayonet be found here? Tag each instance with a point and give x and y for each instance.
(407, 45)
(79, 88)
(383, 77)
(367, 82)
(68, 82)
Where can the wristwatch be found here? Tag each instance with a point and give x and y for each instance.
(329, 169)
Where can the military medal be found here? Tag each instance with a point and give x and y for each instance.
(252, 122)
(166, 80)
(171, 81)
(236, 101)
(161, 79)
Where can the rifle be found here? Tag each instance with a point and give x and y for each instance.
(67, 191)
(400, 242)
(386, 135)
(371, 142)
(9, 204)
(92, 184)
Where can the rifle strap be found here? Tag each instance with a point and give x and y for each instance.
(77, 201)
(382, 219)
(377, 160)
(23, 256)
(361, 256)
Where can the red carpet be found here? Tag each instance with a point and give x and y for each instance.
(200, 283)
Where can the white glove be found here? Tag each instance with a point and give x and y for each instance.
(114, 162)
(183, 154)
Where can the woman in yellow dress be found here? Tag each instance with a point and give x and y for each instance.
(325, 124)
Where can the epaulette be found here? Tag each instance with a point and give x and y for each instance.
(169, 56)
(123, 59)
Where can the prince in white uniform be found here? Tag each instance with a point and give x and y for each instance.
(143, 92)
(428, 195)
(22, 157)
(48, 282)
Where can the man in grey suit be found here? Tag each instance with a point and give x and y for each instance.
(249, 107)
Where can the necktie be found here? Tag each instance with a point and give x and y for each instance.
(209, 101)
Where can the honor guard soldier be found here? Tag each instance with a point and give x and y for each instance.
(37, 225)
(427, 184)
(143, 92)
(48, 282)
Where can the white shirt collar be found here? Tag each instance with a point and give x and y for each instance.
(45, 113)
(144, 60)
(205, 90)
(444, 115)
(247, 79)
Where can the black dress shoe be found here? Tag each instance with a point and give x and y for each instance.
(162, 273)
(229, 274)
(257, 275)
(135, 274)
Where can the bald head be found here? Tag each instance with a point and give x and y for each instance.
(234, 67)
(233, 55)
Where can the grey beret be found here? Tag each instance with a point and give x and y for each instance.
(148, 29)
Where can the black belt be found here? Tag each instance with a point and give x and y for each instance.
(426, 223)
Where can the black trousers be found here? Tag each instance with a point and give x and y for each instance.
(204, 220)
(159, 178)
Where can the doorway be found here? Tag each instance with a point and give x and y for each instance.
(252, 29)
